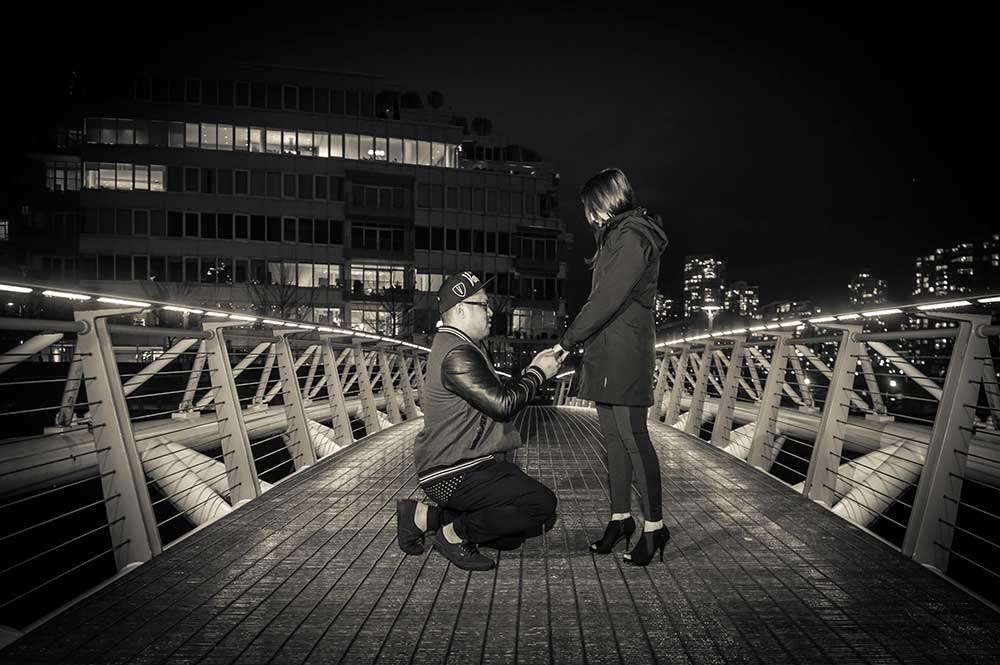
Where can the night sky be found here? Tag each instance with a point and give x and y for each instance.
(797, 146)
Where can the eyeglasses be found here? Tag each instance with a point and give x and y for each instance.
(484, 305)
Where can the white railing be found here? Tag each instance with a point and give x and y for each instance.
(895, 431)
(119, 438)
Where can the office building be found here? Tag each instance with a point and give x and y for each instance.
(704, 279)
(334, 198)
(866, 290)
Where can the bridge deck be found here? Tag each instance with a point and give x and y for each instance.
(311, 573)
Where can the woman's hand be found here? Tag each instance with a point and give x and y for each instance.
(560, 352)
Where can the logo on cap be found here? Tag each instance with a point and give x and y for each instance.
(459, 289)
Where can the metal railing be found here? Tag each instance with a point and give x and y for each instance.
(896, 431)
(120, 438)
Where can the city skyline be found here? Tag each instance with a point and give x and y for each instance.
(797, 146)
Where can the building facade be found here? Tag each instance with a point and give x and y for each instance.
(704, 280)
(867, 290)
(743, 300)
(334, 198)
(946, 271)
(787, 309)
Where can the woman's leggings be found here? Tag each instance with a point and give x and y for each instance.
(630, 450)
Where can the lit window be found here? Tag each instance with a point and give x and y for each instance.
(225, 137)
(209, 135)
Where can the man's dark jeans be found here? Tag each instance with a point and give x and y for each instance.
(500, 506)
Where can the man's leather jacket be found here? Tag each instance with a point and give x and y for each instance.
(466, 372)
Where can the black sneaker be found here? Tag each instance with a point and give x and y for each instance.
(464, 555)
(408, 534)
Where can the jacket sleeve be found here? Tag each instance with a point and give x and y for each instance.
(465, 372)
(620, 272)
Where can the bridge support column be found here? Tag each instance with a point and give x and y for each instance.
(824, 462)
(765, 435)
(724, 415)
(418, 371)
(64, 417)
(693, 424)
(388, 389)
(340, 421)
(241, 472)
(673, 410)
(299, 439)
(661, 383)
(931, 527)
(874, 394)
(409, 401)
(135, 537)
(366, 394)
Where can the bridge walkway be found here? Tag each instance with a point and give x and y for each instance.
(310, 572)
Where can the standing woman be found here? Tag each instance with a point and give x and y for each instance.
(617, 330)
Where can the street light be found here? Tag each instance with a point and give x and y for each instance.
(710, 311)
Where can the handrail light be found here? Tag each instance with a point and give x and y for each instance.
(14, 289)
(183, 310)
(122, 301)
(882, 312)
(945, 305)
(64, 294)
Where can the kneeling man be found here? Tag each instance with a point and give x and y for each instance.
(462, 454)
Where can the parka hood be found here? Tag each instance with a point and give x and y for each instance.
(640, 220)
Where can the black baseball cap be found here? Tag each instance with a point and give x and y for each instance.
(457, 288)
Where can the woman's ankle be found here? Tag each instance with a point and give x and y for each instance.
(652, 526)
(620, 516)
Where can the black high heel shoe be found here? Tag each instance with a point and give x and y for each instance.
(649, 542)
(614, 532)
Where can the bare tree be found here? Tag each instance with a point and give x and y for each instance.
(283, 299)
(397, 302)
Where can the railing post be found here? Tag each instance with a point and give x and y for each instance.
(388, 389)
(135, 536)
(241, 472)
(824, 462)
(674, 403)
(770, 402)
(930, 530)
(727, 403)
(409, 402)
(194, 378)
(754, 376)
(265, 376)
(418, 370)
(340, 420)
(868, 371)
(365, 389)
(804, 388)
(64, 417)
(313, 366)
(299, 439)
(693, 424)
(661, 383)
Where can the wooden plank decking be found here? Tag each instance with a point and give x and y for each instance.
(311, 573)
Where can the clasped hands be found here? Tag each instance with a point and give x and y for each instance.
(550, 360)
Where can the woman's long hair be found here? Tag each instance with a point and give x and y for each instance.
(608, 191)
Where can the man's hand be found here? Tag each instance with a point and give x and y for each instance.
(547, 361)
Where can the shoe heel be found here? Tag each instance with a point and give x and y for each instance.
(628, 542)
(661, 552)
